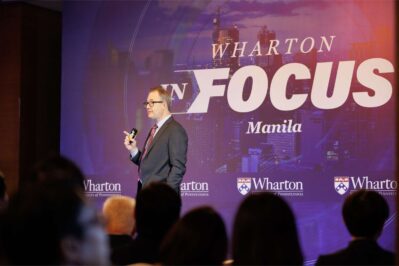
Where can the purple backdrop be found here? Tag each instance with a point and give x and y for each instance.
(292, 97)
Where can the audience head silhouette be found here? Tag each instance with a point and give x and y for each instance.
(365, 213)
(265, 232)
(118, 212)
(58, 169)
(157, 209)
(199, 238)
(52, 224)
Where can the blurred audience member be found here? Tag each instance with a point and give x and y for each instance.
(265, 232)
(51, 224)
(118, 212)
(364, 213)
(3, 192)
(199, 238)
(58, 168)
(157, 209)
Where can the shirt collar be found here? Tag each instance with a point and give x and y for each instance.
(160, 123)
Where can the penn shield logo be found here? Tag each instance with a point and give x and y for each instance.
(341, 184)
(244, 185)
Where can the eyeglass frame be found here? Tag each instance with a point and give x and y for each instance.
(151, 103)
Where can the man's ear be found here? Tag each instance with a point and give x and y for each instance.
(70, 249)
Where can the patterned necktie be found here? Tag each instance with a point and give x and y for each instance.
(149, 140)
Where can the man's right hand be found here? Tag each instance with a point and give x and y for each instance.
(130, 143)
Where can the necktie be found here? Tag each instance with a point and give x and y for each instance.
(149, 140)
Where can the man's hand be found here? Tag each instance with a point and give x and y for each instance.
(130, 143)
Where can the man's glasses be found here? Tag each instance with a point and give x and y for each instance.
(151, 103)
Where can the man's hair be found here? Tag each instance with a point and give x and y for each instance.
(37, 219)
(365, 213)
(118, 212)
(157, 209)
(164, 94)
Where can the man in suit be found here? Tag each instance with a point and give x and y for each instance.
(364, 213)
(164, 154)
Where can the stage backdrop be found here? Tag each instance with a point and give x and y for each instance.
(292, 97)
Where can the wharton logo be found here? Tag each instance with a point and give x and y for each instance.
(244, 185)
(105, 189)
(385, 187)
(194, 189)
(282, 188)
(341, 184)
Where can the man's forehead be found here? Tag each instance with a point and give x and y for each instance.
(154, 95)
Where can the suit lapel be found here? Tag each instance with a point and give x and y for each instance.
(158, 134)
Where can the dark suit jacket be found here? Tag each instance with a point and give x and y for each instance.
(359, 252)
(166, 157)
